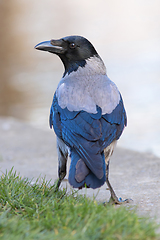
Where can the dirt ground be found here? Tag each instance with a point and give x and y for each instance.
(32, 152)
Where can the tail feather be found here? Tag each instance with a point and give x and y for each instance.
(79, 178)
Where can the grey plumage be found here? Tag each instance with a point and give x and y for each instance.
(78, 91)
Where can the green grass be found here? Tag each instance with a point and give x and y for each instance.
(35, 211)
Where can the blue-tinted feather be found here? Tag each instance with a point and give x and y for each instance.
(88, 135)
(90, 180)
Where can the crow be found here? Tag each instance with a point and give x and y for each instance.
(87, 114)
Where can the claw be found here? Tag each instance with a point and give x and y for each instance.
(128, 200)
(119, 200)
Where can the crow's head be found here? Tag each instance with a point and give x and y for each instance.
(73, 51)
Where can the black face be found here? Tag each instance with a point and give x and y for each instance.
(78, 48)
(73, 51)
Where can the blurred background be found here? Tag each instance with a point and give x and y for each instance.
(126, 35)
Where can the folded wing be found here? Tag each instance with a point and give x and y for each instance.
(88, 134)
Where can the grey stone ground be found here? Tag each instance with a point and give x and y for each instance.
(33, 152)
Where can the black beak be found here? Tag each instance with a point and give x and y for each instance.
(53, 46)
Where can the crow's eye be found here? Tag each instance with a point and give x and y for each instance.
(72, 45)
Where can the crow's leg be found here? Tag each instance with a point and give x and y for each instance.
(62, 161)
(113, 199)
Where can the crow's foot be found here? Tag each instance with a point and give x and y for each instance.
(119, 200)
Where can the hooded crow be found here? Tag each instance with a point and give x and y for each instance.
(87, 114)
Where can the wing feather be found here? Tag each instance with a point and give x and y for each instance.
(89, 134)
